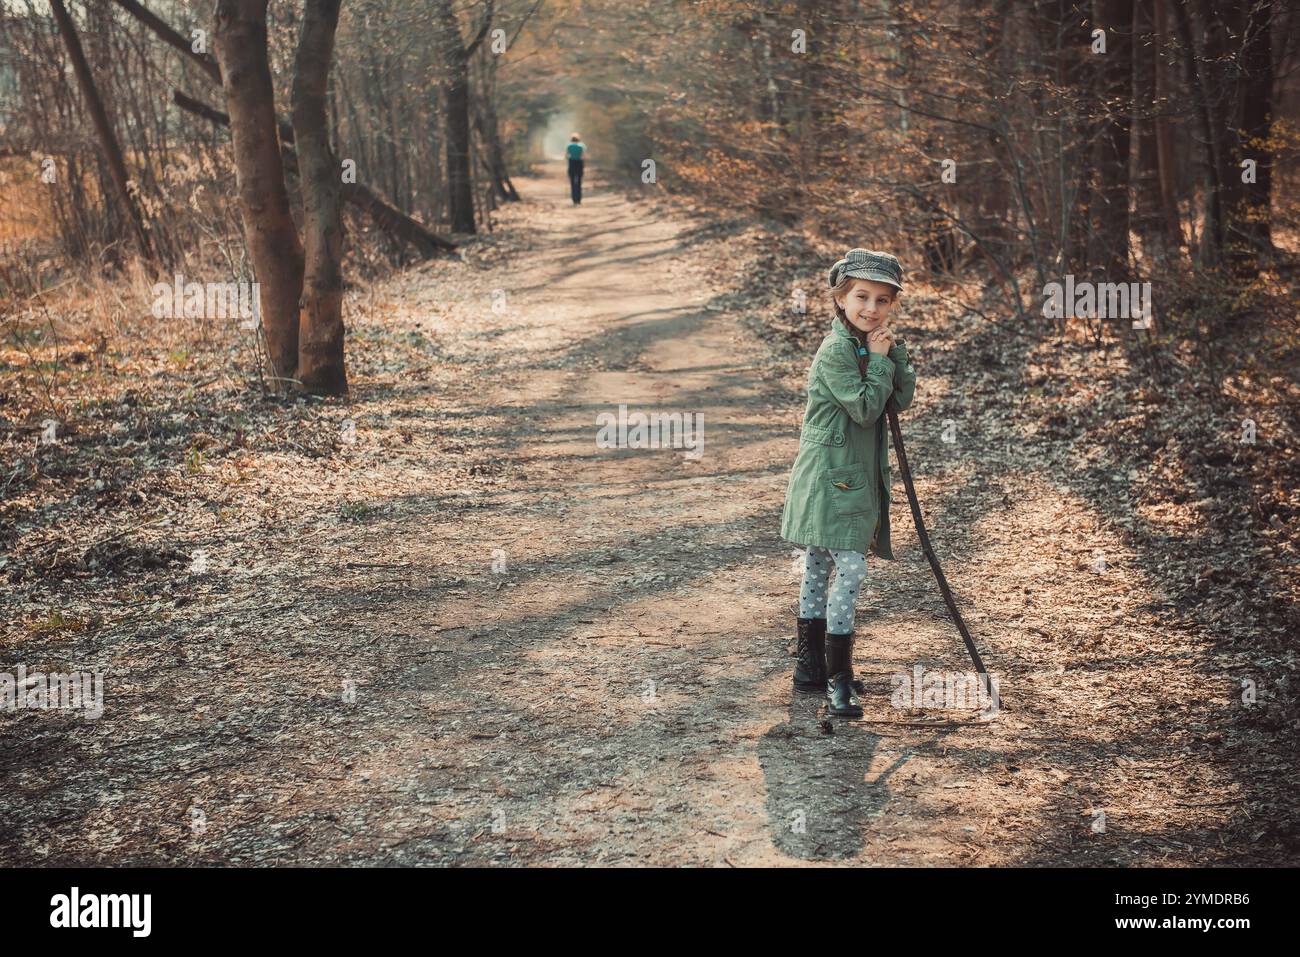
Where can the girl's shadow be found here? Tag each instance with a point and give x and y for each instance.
(819, 798)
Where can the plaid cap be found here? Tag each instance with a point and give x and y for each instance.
(868, 264)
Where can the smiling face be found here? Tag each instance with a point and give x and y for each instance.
(867, 304)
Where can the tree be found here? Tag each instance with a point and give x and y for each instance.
(269, 230)
(103, 127)
(1250, 236)
(1157, 218)
(320, 326)
(1110, 198)
(457, 122)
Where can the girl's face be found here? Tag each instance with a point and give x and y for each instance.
(867, 304)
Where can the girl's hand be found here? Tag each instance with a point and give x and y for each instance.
(880, 340)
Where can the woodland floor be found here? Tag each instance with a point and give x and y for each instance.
(562, 654)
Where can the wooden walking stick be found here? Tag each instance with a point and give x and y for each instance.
(892, 411)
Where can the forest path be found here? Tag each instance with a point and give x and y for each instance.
(620, 690)
(500, 643)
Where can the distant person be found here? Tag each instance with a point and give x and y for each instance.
(575, 151)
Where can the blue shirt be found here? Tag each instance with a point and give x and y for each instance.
(574, 151)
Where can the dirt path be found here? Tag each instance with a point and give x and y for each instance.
(473, 636)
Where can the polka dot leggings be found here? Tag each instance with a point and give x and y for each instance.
(837, 605)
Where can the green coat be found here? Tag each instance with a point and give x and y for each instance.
(839, 490)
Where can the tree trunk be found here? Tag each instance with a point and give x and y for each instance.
(269, 230)
(1073, 58)
(321, 365)
(819, 112)
(485, 120)
(459, 186)
(993, 194)
(1167, 164)
(103, 127)
(1250, 237)
(1210, 244)
(1222, 24)
(1148, 213)
(1110, 198)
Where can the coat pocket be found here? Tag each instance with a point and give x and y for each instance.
(820, 435)
(849, 490)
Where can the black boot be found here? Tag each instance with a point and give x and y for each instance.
(841, 689)
(810, 668)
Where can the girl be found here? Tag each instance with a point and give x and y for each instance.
(837, 502)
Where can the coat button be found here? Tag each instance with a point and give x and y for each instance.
(839, 438)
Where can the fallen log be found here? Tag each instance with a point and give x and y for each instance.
(387, 217)
(391, 220)
(169, 36)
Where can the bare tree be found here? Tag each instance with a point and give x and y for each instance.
(1155, 189)
(456, 64)
(1250, 234)
(269, 230)
(320, 327)
(103, 127)
(1110, 198)
(387, 217)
